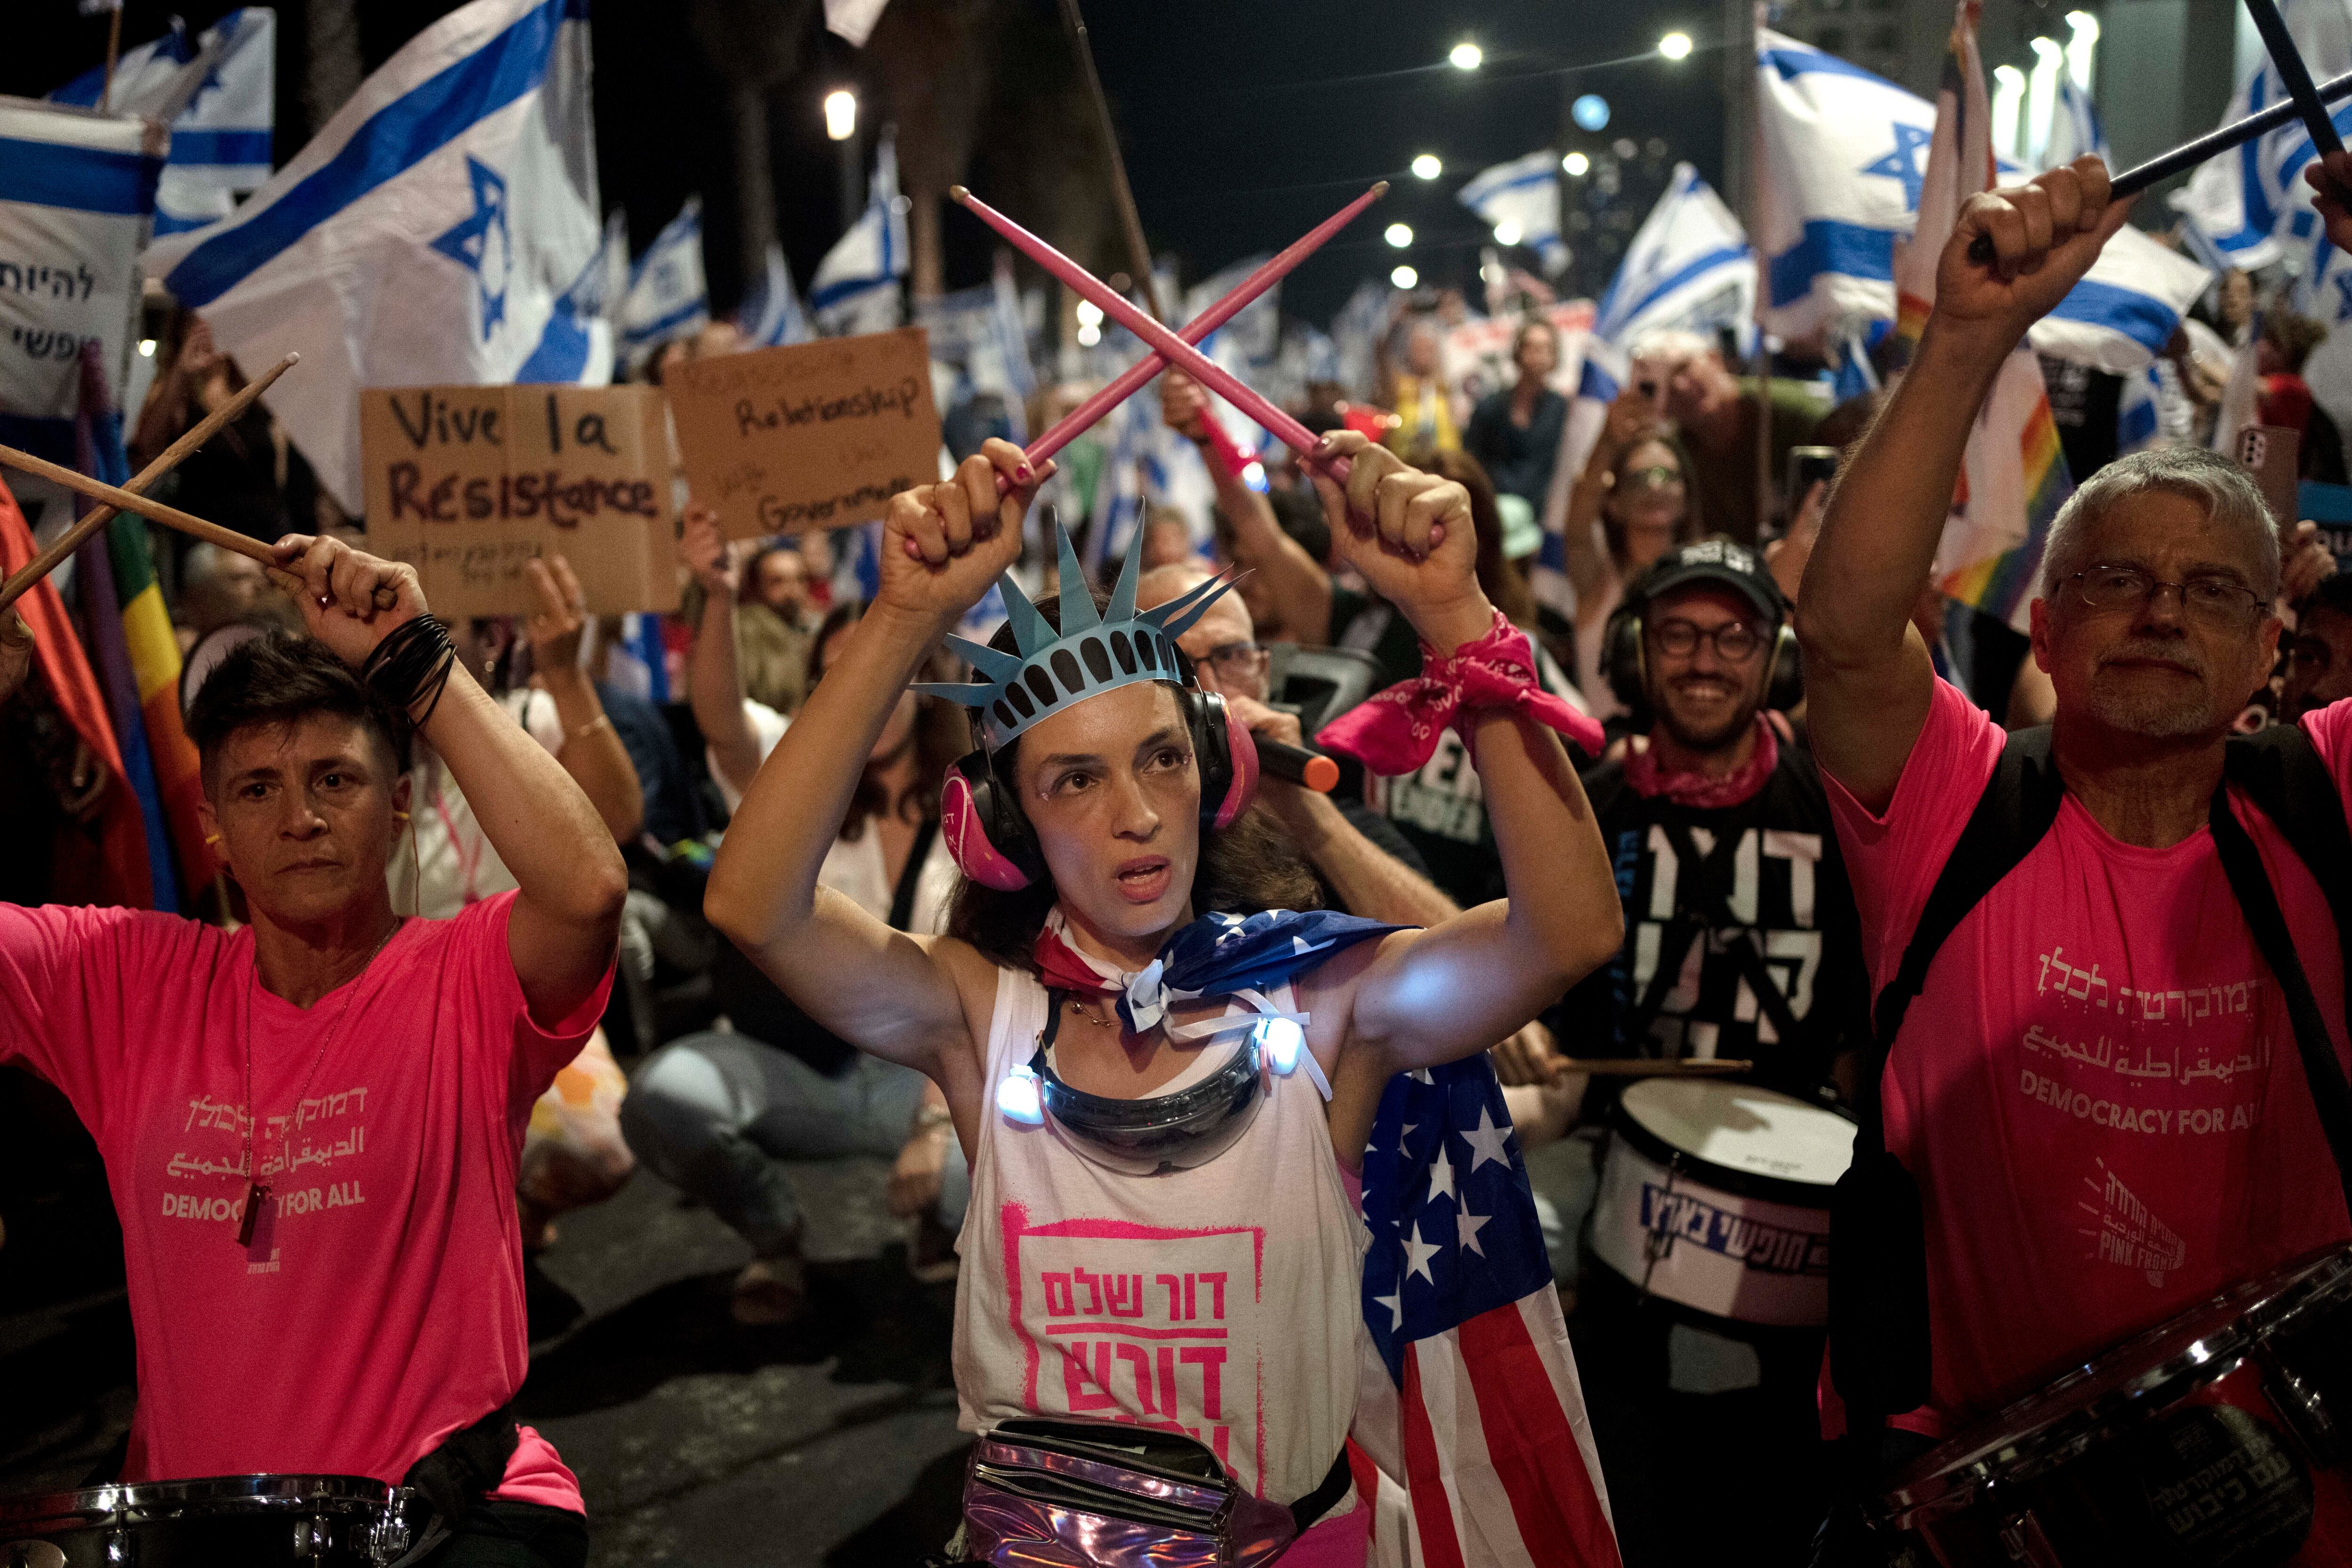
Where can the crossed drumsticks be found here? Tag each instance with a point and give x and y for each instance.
(130, 497)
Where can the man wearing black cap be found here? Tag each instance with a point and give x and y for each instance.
(1741, 942)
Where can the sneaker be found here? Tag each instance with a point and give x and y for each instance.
(771, 1291)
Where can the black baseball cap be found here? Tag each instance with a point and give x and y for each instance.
(1716, 563)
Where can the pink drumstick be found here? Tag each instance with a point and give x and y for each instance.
(1174, 350)
(1130, 380)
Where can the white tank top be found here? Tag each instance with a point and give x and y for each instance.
(1224, 1300)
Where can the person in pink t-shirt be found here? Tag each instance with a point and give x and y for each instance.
(311, 1125)
(2097, 1091)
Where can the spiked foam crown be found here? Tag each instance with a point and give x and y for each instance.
(1092, 653)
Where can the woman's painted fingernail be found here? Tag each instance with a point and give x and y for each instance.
(1026, 472)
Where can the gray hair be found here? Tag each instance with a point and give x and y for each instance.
(2226, 492)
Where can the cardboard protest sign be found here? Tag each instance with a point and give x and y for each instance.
(466, 483)
(816, 435)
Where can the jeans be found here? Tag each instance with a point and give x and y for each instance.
(497, 1533)
(716, 1115)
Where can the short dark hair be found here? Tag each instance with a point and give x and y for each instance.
(2333, 595)
(280, 680)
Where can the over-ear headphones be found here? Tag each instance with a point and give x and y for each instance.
(1624, 649)
(988, 833)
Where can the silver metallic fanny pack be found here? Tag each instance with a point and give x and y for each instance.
(1044, 1493)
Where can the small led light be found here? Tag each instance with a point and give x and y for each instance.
(1089, 335)
(1427, 166)
(1281, 1039)
(1399, 234)
(146, 348)
(1018, 1097)
(1405, 278)
(1466, 57)
(1675, 45)
(1576, 162)
(1254, 476)
(1506, 233)
(1089, 313)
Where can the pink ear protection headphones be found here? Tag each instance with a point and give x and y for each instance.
(989, 835)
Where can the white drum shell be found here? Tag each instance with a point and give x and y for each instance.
(1746, 1259)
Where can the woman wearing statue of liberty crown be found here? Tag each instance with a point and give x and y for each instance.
(1164, 1103)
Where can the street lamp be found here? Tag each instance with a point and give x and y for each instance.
(2008, 101)
(840, 115)
(2082, 37)
(2041, 97)
(841, 128)
(1466, 56)
(1428, 166)
(1399, 234)
(1405, 278)
(1675, 45)
(1575, 164)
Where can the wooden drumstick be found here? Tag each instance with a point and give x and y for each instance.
(171, 517)
(66, 543)
(1648, 1067)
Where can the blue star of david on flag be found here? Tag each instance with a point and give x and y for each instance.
(1904, 163)
(1455, 1232)
(467, 242)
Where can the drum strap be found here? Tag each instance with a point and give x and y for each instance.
(469, 1462)
(2267, 773)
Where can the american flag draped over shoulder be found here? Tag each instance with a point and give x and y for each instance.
(1482, 1420)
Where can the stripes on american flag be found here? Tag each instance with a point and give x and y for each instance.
(1476, 1416)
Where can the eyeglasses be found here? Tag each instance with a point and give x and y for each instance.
(1656, 478)
(1736, 642)
(2209, 597)
(1239, 658)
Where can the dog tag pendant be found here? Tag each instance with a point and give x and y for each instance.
(255, 1197)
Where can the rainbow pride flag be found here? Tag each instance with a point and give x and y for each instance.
(2013, 478)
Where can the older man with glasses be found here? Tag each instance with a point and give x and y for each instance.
(2081, 1173)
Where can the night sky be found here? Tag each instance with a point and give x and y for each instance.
(1244, 125)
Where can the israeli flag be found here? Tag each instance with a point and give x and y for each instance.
(441, 227)
(772, 314)
(2074, 127)
(218, 94)
(1688, 266)
(1843, 158)
(1523, 193)
(2251, 201)
(1600, 372)
(76, 192)
(667, 297)
(2126, 308)
(855, 289)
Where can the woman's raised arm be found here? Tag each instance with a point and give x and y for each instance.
(883, 991)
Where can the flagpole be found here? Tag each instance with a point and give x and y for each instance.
(1138, 250)
(114, 48)
(1750, 133)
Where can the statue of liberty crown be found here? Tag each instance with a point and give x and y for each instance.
(1095, 652)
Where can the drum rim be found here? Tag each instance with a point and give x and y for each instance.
(267, 1490)
(2271, 1300)
(1787, 1191)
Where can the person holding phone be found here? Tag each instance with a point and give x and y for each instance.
(1630, 504)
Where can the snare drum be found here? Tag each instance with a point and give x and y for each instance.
(1716, 1196)
(2218, 1440)
(251, 1522)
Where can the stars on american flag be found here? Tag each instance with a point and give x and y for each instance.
(1453, 1221)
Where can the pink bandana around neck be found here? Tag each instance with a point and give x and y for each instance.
(1699, 791)
(1396, 731)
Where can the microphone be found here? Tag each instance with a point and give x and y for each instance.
(1312, 770)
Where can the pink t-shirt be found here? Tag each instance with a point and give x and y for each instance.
(380, 1305)
(2097, 1090)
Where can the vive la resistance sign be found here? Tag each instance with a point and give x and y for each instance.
(466, 483)
(812, 435)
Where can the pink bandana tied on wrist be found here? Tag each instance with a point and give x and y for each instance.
(1396, 731)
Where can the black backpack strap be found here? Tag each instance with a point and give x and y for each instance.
(2279, 778)
(1878, 1249)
